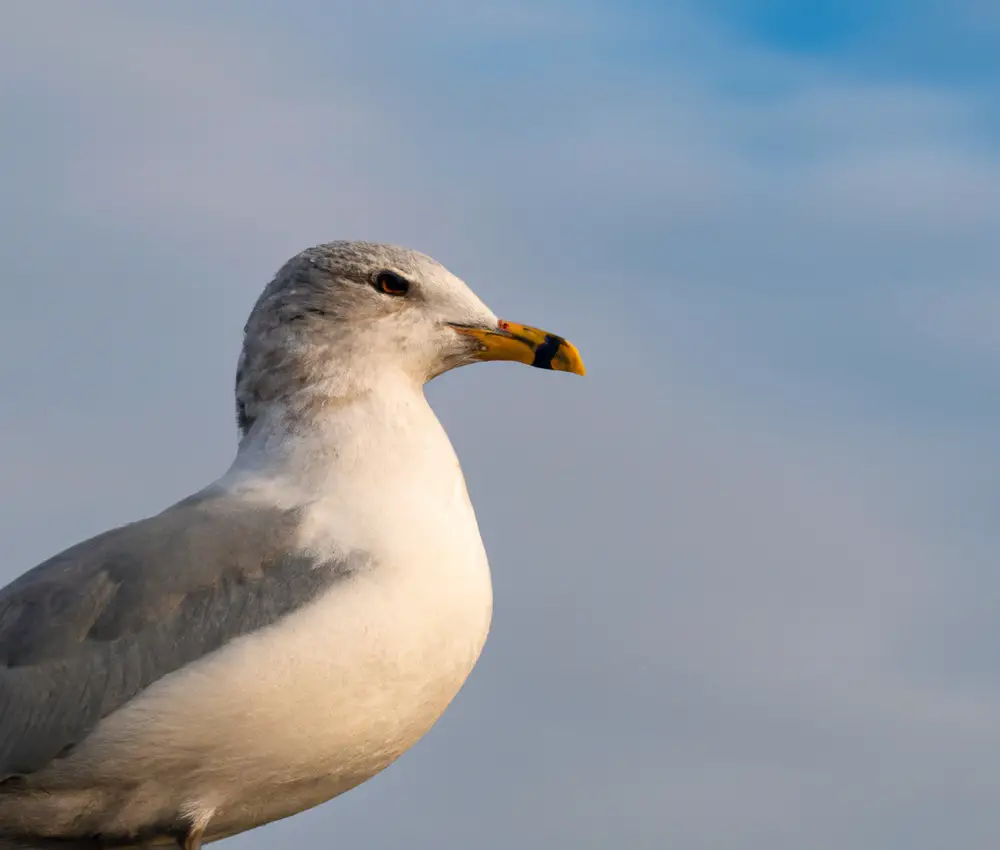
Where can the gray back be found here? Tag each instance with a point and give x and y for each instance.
(87, 630)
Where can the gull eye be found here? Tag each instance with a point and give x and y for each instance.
(390, 283)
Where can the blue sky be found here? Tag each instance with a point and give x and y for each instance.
(763, 611)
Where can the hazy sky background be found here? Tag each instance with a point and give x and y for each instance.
(746, 580)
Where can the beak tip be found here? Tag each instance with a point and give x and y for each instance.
(575, 367)
(569, 360)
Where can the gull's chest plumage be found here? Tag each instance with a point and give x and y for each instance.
(298, 712)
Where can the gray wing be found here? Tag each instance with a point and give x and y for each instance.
(84, 632)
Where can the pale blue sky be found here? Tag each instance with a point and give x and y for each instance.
(751, 599)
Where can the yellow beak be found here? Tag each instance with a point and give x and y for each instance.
(524, 344)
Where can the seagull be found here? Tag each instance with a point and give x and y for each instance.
(287, 632)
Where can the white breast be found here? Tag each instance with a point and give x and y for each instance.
(323, 701)
(297, 713)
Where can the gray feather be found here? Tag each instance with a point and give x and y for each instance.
(86, 631)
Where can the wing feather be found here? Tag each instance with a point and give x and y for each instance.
(84, 632)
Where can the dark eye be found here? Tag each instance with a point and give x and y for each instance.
(391, 283)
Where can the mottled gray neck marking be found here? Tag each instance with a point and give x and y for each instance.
(283, 352)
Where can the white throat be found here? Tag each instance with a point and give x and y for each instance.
(358, 465)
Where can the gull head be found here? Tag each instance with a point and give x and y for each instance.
(340, 319)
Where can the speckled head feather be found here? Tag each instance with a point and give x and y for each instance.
(321, 330)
